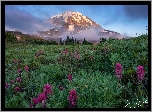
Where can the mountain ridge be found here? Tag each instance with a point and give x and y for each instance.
(73, 23)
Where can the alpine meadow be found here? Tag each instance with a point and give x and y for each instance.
(76, 56)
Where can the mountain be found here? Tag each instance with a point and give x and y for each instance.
(74, 23)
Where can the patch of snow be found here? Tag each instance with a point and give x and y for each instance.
(71, 27)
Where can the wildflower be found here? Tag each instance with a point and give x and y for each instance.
(35, 101)
(91, 57)
(78, 56)
(26, 68)
(19, 70)
(118, 70)
(47, 86)
(47, 89)
(41, 97)
(17, 89)
(6, 85)
(12, 81)
(66, 51)
(94, 48)
(70, 77)
(36, 56)
(18, 79)
(31, 106)
(61, 87)
(15, 61)
(43, 103)
(19, 61)
(72, 98)
(140, 73)
(76, 53)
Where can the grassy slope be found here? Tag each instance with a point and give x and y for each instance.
(95, 85)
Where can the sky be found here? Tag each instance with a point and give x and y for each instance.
(124, 19)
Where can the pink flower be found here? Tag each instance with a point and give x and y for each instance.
(66, 51)
(70, 77)
(19, 70)
(31, 106)
(18, 79)
(47, 86)
(26, 68)
(47, 89)
(17, 89)
(43, 103)
(35, 101)
(78, 56)
(41, 97)
(91, 57)
(72, 98)
(19, 61)
(118, 66)
(118, 70)
(15, 61)
(12, 81)
(73, 103)
(6, 85)
(61, 87)
(76, 53)
(140, 73)
(94, 48)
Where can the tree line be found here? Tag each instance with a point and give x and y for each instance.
(11, 38)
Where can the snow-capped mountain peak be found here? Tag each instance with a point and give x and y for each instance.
(71, 22)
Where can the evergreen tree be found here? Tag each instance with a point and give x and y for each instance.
(75, 40)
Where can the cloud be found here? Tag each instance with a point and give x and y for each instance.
(90, 35)
(24, 22)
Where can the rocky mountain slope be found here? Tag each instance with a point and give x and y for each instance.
(73, 23)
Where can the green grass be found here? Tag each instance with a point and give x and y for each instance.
(94, 80)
